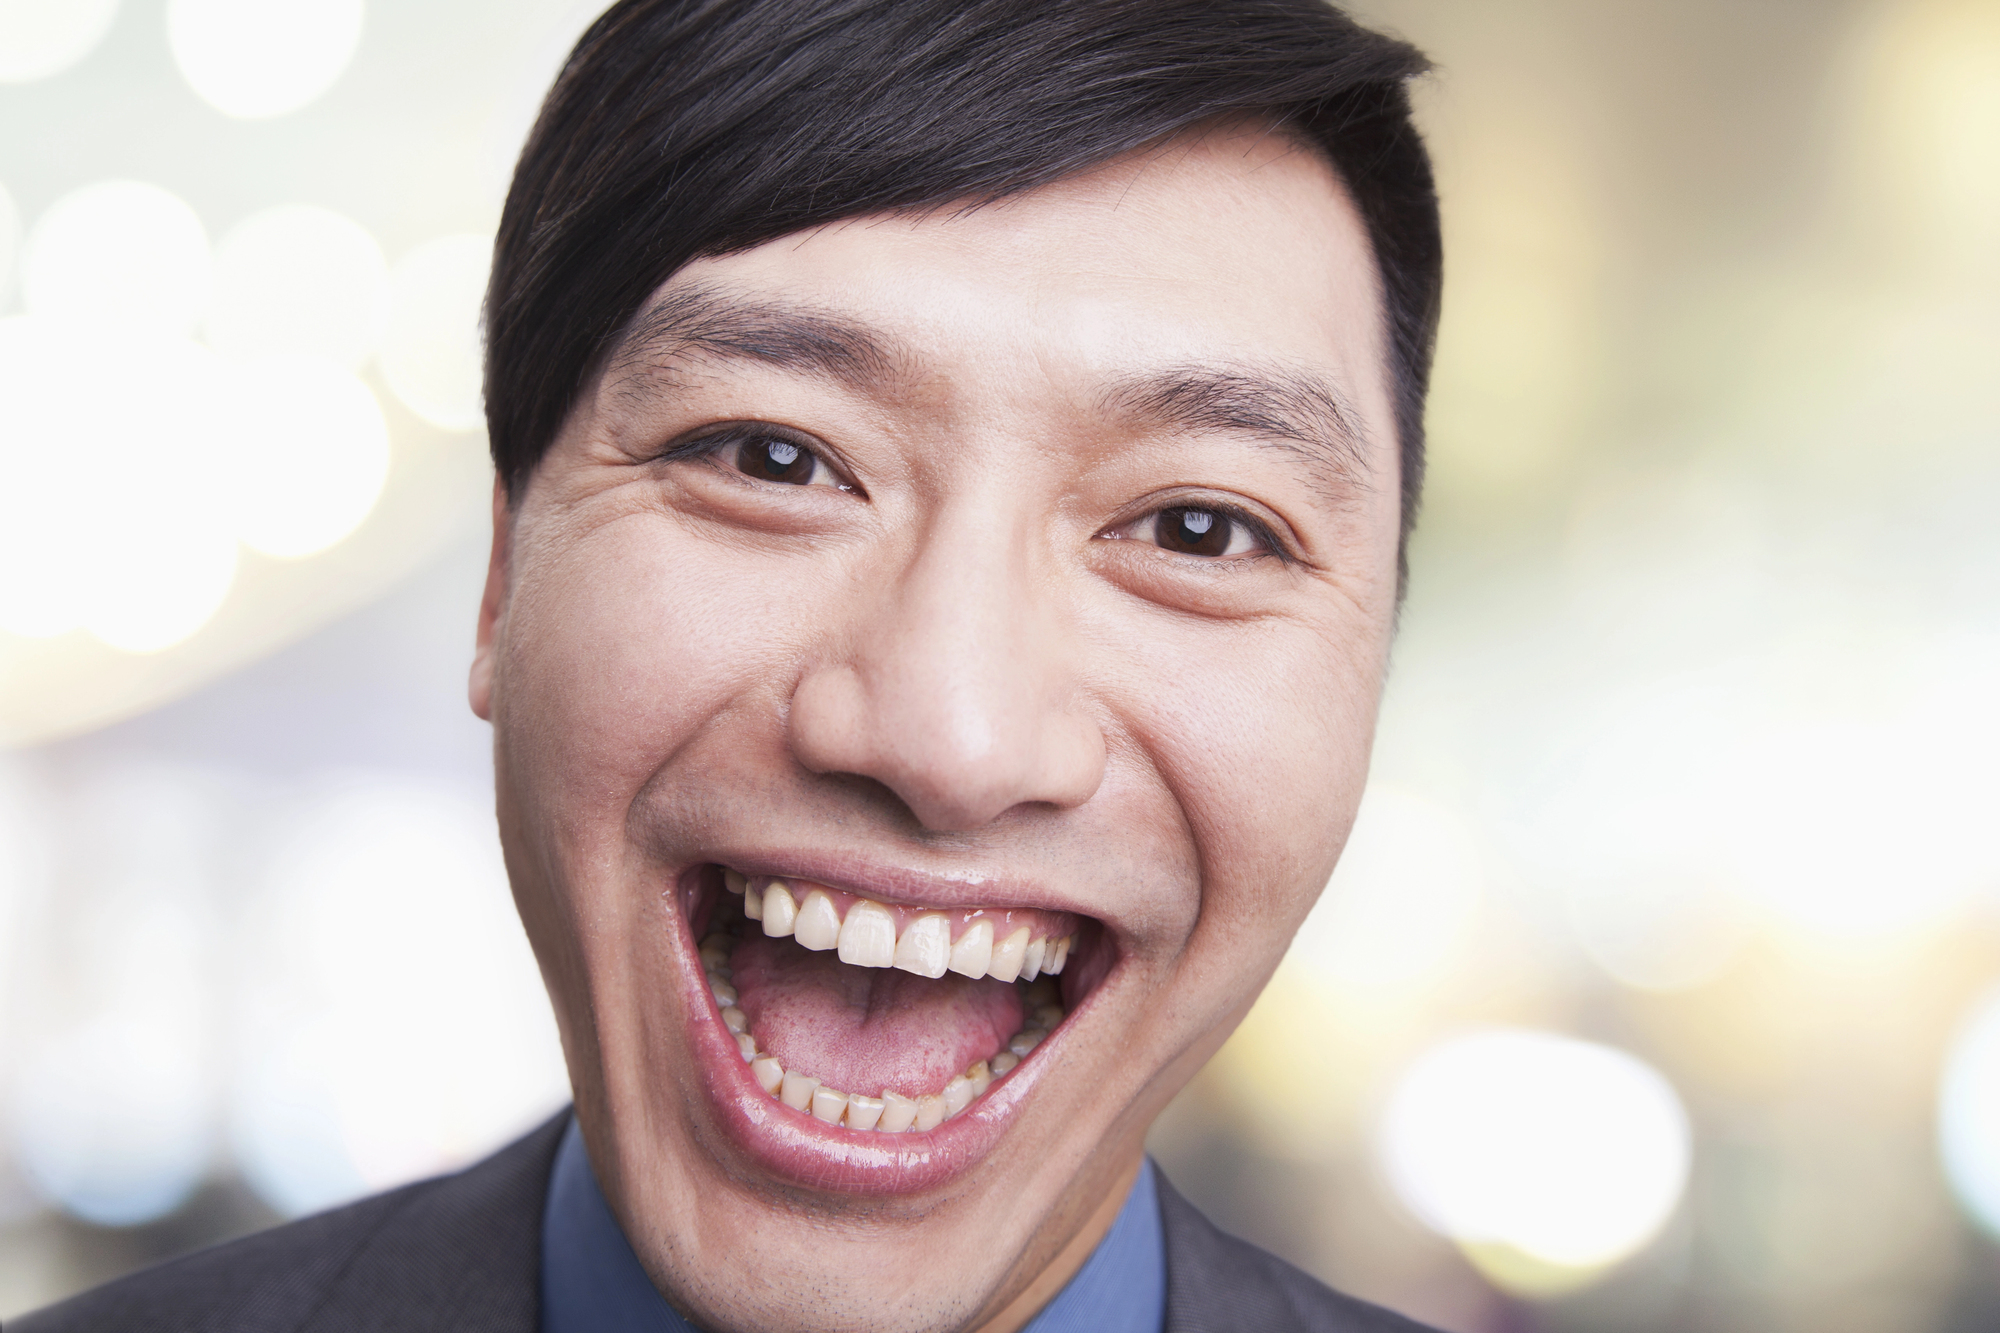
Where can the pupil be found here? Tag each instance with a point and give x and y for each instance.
(1194, 531)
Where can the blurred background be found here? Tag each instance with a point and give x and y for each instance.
(1660, 987)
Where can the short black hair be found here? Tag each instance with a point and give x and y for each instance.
(687, 128)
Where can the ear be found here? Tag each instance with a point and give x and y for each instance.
(492, 604)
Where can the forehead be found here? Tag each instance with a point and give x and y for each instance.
(1237, 247)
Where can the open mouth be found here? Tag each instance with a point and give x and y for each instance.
(878, 1019)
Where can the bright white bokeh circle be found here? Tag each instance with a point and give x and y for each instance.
(114, 517)
(1669, 931)
(1856, 828)
(431, 353)
(401, 1026)
(310, 456)
(120, 255)
(299, 280)
(112, 1122)
(258, 58)
(1969, 1113)
(1402, 899)
(113, 1119)
(41, 38)
(1570, 1152)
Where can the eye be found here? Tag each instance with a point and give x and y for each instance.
(771, 457)
(1193, 530)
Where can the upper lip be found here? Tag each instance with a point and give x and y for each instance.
(903, 885)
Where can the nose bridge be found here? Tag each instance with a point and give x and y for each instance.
(956, 643)
(957, 689)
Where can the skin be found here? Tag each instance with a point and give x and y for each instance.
(973, 666)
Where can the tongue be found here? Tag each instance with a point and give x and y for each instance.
(864, 1029)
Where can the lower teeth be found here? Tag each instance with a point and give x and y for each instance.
(891, 1112)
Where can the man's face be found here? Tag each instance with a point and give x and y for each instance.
(1021, 574)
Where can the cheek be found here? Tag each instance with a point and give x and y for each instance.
(619, 647)
(1267, 752)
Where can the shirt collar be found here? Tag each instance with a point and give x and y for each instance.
(592, 1282)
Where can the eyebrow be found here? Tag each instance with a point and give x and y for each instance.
(1305, 414)
(1300, 413)
(696, 320)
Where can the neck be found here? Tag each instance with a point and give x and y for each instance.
(1028, 1303)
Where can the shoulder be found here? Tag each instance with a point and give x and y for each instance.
(1216, 1282)
(461, 1251)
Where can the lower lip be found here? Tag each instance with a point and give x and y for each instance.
(805, 1150)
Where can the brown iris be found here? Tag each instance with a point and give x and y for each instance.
(771, 458)
(1193, 531)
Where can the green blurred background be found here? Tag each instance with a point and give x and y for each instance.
(1657, 991)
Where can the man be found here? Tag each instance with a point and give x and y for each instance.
(954, 461)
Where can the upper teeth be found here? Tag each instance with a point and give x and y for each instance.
(867, 936)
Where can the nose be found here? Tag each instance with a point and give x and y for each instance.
(956, 688)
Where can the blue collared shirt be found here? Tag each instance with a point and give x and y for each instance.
(593, 1283)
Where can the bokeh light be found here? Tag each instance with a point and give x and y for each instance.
(1969, 1113)
(399, 1023)
(1402, 899)
(1926, 122)
(112, 1108)
(1688, 745)
(110, 1123)
(1660, 932)
(42, 38)
(311, 455)
(1855, 828)
(259, 58)
(299, 280)
(1569, 1152)
(112, 518)
(431, 353)
(123, 255)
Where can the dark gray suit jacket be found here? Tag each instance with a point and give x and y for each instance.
(463, 1253)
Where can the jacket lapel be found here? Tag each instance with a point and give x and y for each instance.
(463, 1254)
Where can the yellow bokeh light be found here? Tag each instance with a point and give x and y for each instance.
(1571, 1153)
(431, 353)
(1925, 140)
